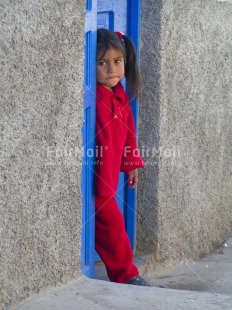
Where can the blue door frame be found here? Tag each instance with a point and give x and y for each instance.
(133, 31)
(88, 141)
(88, 132)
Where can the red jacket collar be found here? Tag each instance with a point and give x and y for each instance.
(118, 91)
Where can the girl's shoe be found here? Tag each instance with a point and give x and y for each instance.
(138, 280)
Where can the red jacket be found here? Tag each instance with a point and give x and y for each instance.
(115, 139)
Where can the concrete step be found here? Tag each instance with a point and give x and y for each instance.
(87, 294)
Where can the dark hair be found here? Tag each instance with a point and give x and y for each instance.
(107, 39)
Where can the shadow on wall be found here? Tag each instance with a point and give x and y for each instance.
(149, 126)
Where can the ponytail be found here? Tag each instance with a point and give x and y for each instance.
(131, 68)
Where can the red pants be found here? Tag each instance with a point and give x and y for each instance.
(112, 242)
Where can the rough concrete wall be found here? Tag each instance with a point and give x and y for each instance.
(193, 213)
(149, 126)
(41, 120)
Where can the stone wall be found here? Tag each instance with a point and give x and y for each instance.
(149, 112)
(41, 119)
(189, 187)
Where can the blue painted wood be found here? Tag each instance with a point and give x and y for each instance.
(119, 10)
(88, 134)
(105, 20)
(133, 31)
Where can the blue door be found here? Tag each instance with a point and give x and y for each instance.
(117, 15)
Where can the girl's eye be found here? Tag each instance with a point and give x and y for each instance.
(101, 63)
(117, 61)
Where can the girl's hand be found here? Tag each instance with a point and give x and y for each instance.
(133, 178)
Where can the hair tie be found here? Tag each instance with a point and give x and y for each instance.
(120, 35)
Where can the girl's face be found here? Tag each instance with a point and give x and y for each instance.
(110, 68)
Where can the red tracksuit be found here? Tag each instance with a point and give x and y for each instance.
(117, 151)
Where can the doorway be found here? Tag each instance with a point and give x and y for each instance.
(116, 15)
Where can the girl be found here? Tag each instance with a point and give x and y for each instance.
(116, 137)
